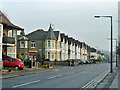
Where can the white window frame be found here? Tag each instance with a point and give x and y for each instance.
(53, 44)
(49, 55)
(10, 33)
(49, 44)
(32, 44)
(26, 44)
(53, 55)
(21, 45)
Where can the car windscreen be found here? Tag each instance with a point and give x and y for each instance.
(19, 60)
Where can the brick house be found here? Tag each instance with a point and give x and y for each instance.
(46, 44)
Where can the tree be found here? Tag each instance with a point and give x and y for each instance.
(19, 56)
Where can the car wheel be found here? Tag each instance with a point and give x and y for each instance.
(16, 67)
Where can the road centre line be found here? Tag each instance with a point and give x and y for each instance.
(91, 82)
(52, 77)
(59, 75)
(26, 83)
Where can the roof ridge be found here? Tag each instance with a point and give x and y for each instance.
(5, 20)
(35, 31)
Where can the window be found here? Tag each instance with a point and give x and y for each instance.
(52, 43)
(49, 55)
(33, 44)
(26, 44)
(13, 60)
(10, 33)
(13, 49)
(60, 45)
(8, 60)
(48, 43)
(14, 55)
(0, 30)
(45, 43)
(14, 33)
(22, 44)
(53, 55)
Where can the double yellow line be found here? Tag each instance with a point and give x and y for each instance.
(93, 81)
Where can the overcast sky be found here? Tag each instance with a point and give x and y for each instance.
(74, 18)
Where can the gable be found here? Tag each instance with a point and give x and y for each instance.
(36, 35)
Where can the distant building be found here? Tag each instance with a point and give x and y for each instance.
(84, 51)
(93, 53)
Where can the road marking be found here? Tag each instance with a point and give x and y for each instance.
(52, 77)
(59, 75)
(67, 73)
(92, 81)
(26, 83)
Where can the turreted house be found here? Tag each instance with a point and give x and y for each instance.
(44, 43)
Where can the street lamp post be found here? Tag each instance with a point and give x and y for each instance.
(116, 52)
(116, 49)
(111, 38)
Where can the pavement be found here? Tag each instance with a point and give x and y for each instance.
(7, 74)
(111, 80)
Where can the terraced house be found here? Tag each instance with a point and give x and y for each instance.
(52, 45)
(8, 32)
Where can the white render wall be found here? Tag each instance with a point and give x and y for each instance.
(78, 55)
(66, 50)
(94, 54)
(63, 50)
(73, 51)
(1, 35)
(11, 49)
(85, 56)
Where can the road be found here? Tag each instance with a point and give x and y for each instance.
(75, 77)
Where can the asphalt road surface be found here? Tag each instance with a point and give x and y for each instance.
(74, 77)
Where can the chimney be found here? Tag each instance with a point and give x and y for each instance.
(22, 32)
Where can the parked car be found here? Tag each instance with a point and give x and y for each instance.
(84, 61)
(13, 62)
(80, 61)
